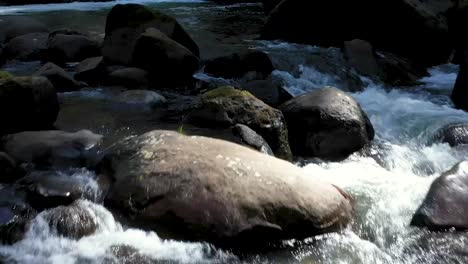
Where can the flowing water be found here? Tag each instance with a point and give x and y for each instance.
(388, 180)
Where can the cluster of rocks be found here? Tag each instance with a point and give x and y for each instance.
(183, 187)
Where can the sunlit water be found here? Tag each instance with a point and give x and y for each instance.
(388, 181)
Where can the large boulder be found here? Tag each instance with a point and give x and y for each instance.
(227, 106)
(460, 90)
(15, 213)
(27, 47)
(74, 221)
(65, 46)
(406, 27)
(326, 123)
(238, 64)
(14, 26)
(206, 189)
(62, 81)
(27, 103)
(446, 204)
(125, 24)
(167, 61)
(51, 148)
(269, 91)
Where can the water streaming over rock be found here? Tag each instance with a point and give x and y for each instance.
(388, 180)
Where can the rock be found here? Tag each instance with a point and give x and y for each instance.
(56, 149)
(27, 103)
(49, 189)
(29, 2)
(70, 47)
(399, 71)
(453, 134)
(9, 170)
(61, 80)
(15, 26)
(15, 213)
(446, 204)
(27, 47)
(237, 65)
(91, 70)
(460, 90)
(133, 78)
(125, 24)
(360, 55)
(2, 56)
(250, 138)
(457, 17)
(74, 221)
(270, 4)
(167, 61)
(227, 106)
(326, 123)
(417, 34)
(142, 98)
(205, 189)
(268, 91)
(124, 254)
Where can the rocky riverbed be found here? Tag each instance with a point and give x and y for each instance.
(232, 132)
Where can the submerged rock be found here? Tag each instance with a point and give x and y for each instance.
(239, 64)
(446, 204)
(125, 24)
(206, 189)
(74, 221)
(453, 134)
(227, 106)
(326, 123)
(27, 103)
(62, 81)
(15, 213)
(57, 149)
(142, 98)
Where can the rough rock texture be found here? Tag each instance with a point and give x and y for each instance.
(227, 106)
(74, 221)
(206, 189)
(51, 148)
(15, 213)
(62, 81)
(446, 204)
(27, 103)
(453, 134)
(326, 123)
(125, 24)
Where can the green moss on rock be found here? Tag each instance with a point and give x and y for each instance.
(225, 91)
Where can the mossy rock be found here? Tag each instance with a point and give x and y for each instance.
(228, 106)
(226, 91)
(5, 75)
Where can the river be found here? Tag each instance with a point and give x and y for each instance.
(388, 181)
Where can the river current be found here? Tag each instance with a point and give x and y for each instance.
(388, 180)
